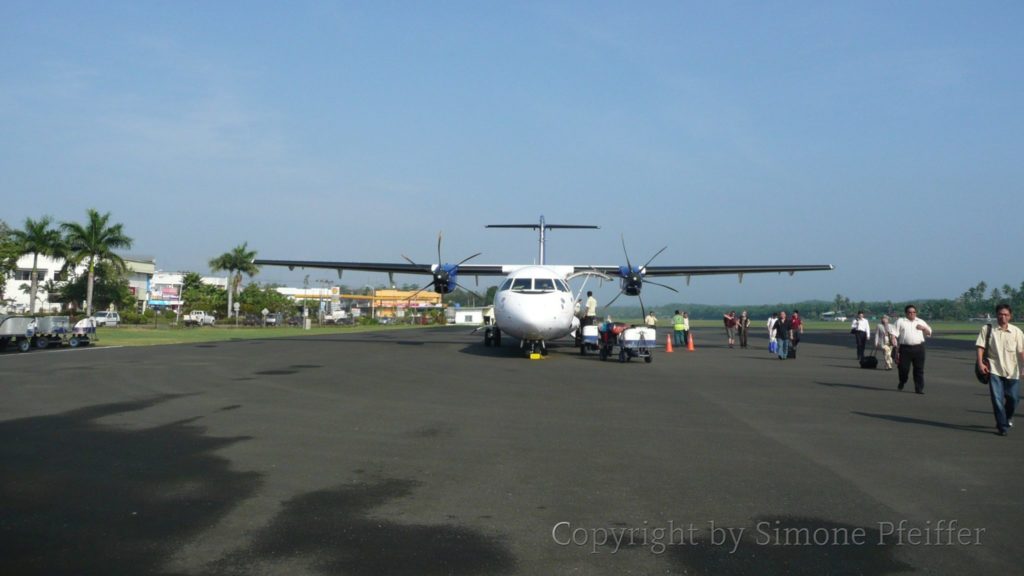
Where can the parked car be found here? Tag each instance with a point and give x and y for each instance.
(106, 318)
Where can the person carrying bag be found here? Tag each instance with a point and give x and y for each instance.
(1000, 353)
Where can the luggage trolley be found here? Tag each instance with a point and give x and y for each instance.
(51, 331)
(17, 329)
(591, 341)
(609, 336)
(637, 342)
(632, 341)
(83, 333)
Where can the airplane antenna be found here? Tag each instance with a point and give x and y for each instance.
(542, 227)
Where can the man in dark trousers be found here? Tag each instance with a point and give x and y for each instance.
(798, 328)
(910, 334)
(861, 330)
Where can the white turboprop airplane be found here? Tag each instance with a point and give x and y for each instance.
(535, 303)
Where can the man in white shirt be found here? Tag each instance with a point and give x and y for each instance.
(1002, 364)
(651, 321)
(861, 330)
(591, 312)
(910, 334)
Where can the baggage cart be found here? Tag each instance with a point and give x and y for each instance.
(51, 331)
(83, 333)
(17, 330)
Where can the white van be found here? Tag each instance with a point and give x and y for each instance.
(107, 318)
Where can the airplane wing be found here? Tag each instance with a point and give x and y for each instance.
(707, 270)
(388, 267)
(632, 277)
(502, 270)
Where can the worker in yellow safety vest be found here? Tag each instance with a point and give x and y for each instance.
(679, 326)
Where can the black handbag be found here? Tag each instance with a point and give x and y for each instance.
(983, 376)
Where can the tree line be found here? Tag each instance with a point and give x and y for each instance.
(976, 302)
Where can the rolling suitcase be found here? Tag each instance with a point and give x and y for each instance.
(791, 353)
(869, 362)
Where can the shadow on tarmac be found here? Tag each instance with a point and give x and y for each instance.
(79, 497)
(908, 420)
(857, 386)
(336, 530)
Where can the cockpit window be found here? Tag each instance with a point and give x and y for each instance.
(543, 284)
(535, 285)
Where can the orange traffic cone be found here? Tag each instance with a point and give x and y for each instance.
(668, 342)
(689, 343)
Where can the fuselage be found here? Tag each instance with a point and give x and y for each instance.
(535, 303)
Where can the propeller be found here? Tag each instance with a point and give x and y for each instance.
(632, 279)
(445, 275)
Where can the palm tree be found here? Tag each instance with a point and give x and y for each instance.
(236, 262)
(93, 243)
(37, 238)
(190, 281)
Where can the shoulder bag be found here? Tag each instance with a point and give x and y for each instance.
(982, 376)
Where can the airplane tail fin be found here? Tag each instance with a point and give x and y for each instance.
(543, 226)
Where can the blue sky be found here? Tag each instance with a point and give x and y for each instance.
(880, 137)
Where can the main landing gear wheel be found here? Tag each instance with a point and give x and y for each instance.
(496, 337)
(74, 342)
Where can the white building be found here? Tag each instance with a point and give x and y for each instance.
(464, 316)
(16, 288)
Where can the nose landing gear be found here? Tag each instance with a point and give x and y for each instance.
(534, 348)
(492, 336)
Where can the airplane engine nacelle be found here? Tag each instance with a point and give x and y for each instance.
(631, 282)
(446, 279)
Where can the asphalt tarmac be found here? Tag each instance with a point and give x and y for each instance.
(424, 452)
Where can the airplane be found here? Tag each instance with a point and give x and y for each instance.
(535, 303)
